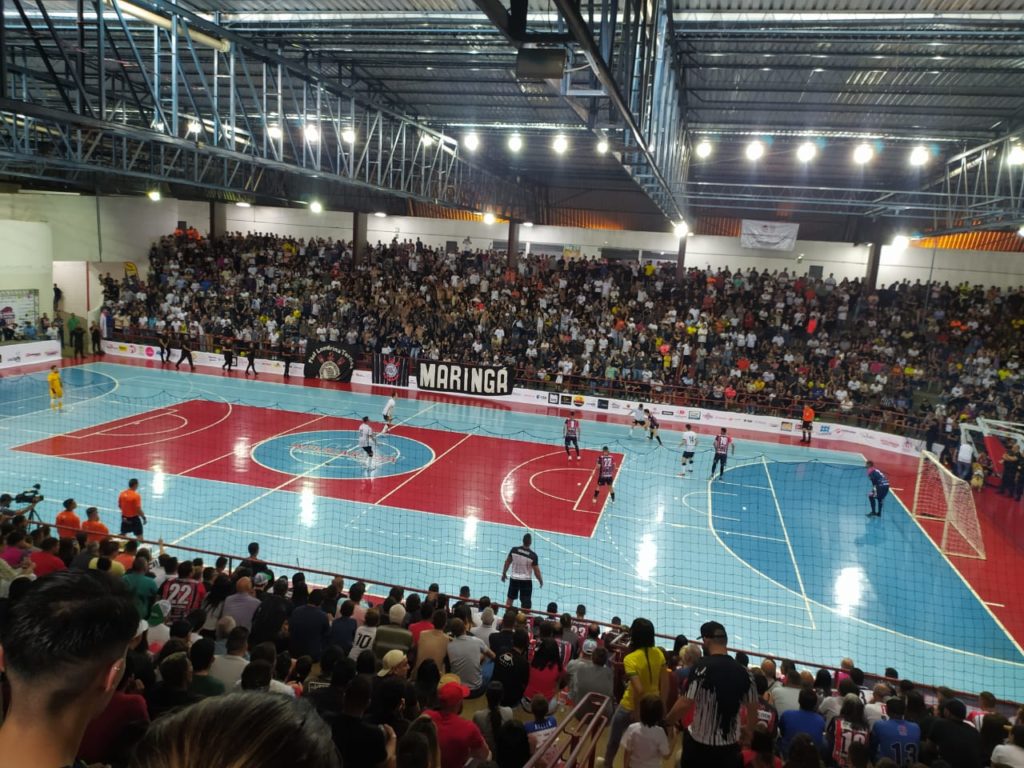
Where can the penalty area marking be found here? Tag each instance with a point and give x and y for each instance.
(555, 469)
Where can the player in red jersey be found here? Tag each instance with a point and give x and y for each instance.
(652, 426)
(723, 447)
(605, 473)
(571, 433)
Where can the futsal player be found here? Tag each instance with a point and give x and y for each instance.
(571, 434)
(366, 440)
(807, 417)
(605, 473)
(689, 443)
(652, 426)
(186, 352)
(639, 420)
(879, 489)
(56, 389)
(723, 445)
(388, 414)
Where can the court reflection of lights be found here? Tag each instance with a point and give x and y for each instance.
(242, 448)
(159, 481)
(469, 530)
(307, 507)
(646, 557)
(848, 591)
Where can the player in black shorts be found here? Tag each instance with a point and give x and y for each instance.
(571, 433)
(605, 473)
(652, 426)
(186, 352)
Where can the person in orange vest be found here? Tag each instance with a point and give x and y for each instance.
(132, 516)
(68, 523)
(808, 423)
(95, 529)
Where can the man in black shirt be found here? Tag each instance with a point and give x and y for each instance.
(718, 688)
(512, 669)
(958, 742)
(358, 742)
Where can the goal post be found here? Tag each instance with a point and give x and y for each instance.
(941, 495)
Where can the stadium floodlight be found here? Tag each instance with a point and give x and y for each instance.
(560, 144)
(862, 154)
(380, 214)
(316, 206)
(515, 142)
(682, 229)
(488, 218)
(194, 126)
(918, 156)
(348, 136)
(755, 150)
(243, 204)
(1016, 156)
(602, 146)
(703, 150)
(275, 132)
(900, 243)
(312, 133)
(806, 152)
(530, 224)
(154, 195)
(1021, 231)
(471, 141)
(426, 139)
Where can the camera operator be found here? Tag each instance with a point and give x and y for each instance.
(6, 512)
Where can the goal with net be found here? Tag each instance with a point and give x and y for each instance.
(941, 495)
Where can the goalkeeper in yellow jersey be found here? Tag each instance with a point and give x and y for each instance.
(56, 389)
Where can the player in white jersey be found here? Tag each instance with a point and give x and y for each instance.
(689, 443)
(367, 440)
(388, 414)
(639, 419)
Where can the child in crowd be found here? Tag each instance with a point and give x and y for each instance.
(647, 743)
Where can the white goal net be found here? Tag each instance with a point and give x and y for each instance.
(941, 495)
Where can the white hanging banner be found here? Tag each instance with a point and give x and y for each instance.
(769, 235)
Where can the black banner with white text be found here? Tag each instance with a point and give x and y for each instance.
(484, 380)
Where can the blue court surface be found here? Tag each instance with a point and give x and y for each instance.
(779, 550)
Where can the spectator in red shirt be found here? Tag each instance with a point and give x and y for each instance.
(458, 738)
(184, 593)
(425, 622)
(105, 739)
(46, 560)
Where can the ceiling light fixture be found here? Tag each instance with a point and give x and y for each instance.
(527, 223)
(682, 229)
(380, 214)
(1016, 156)
(806, 152)
(243, 204)
(755, 150)
(426, 140)
(1021, 231)
(900, 243)
(489, 218)
(471, 141)
(312, 133)
(316, 207)
(918, 156)
(862, 154)
(602, 146)
(703, 150)
(515, 142)
(194, 126)
(275, 132)
(560, 144)
(348, 136)
(154, 195)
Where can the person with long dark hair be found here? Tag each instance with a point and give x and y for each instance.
(489, 720)
(513, 745)
(849, 728)
(213, 605)
(546, 675)
(643, 669)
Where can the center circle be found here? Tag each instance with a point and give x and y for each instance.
(334, 454)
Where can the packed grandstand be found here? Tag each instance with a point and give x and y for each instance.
(427, 678)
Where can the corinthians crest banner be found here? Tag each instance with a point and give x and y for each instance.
(391, 370)
(329, 360)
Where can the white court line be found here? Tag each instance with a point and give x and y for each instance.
(751, 536)
(406, 421)
(586, 487)
(263, 495)
(995, 605)
(747, 485)
(422, 469)
(153, 416)
(789, 544)
(551, 495)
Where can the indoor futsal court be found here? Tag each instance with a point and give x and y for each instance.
(779, 549)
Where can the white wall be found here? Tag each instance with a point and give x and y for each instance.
(1000, 268)
(297, 222)
(26, 259)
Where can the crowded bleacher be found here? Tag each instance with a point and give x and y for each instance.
(124, 654)
(908, 358)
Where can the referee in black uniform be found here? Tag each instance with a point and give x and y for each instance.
(524, 564)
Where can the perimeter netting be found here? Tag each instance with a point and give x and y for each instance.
(941, 495)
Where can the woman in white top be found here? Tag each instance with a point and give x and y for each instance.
(1010, 754)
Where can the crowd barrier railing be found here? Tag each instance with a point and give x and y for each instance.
(574, 742)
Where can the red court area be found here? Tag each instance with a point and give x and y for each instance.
(492, 479)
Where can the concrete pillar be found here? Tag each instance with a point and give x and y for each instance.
(359, 222)
(874, 259)
(513, 244)
(681, 259)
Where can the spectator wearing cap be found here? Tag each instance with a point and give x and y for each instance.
(242, 605)
(957, 741)
(359, 742)
(718, 690)
(308, 628)
(394, 664)
(392, 636)
(590, 673)
(63, 667)
(228, 667)
(203, 683)
(458, 739)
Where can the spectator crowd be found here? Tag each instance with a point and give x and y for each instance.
(909, 357)
(123, 656)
